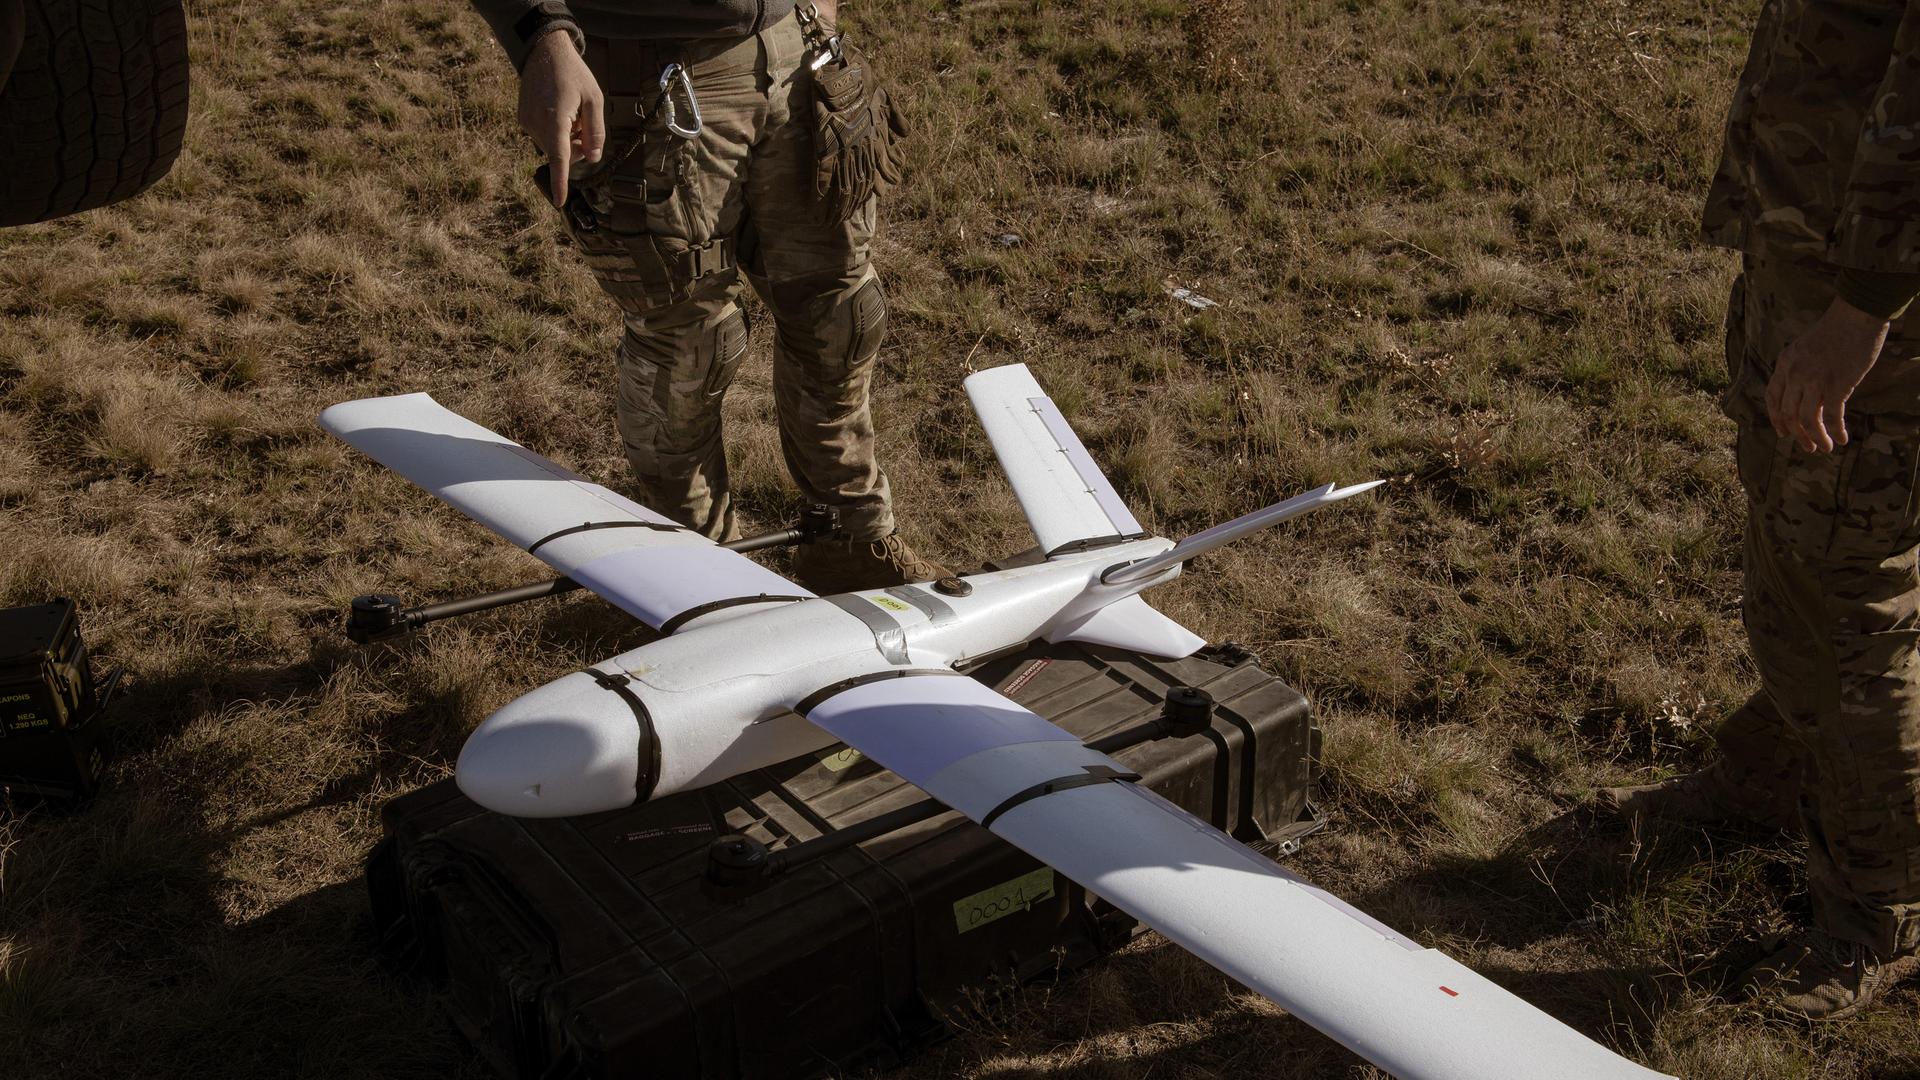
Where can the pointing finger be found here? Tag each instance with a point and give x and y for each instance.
(560, 156)
(593, 127)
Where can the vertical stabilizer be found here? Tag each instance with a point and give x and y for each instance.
(1132, 624)
(1063, 493)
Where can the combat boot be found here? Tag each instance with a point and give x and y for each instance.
(1822, 977)
(836, 566)
(1691, 797)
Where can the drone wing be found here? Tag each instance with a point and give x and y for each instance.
(663, 574)
(1410, 1010)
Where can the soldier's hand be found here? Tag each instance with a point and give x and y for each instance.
(561, 107)
(1817, 373)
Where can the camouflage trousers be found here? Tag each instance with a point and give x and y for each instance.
(1832, 611)
(671, 225)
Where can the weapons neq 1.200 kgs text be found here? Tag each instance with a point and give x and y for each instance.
(754, 670)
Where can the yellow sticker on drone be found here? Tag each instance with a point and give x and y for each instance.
(842, 759)
(1003, 900)
(890, 603)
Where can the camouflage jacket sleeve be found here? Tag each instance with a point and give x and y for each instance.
(518, 23)
(1878, 225)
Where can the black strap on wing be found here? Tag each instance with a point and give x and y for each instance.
(589, 526)
(1091, 775)
(811, 701)
(711, 606)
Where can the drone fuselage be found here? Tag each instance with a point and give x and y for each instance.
(717, 697)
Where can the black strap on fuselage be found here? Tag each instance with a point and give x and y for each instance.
(644, 783)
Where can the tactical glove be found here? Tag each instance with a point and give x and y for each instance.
(857, 134)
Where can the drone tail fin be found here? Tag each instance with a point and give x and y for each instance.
(1067, 500)
(1132, 624)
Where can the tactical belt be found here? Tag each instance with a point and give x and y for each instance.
(662, 270)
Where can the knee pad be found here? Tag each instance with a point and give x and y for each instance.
(867, 309)
(827, 328)
(672, 379)
(723, 346)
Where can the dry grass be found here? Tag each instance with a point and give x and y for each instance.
(1451, 242)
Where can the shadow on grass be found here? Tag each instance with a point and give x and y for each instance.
(212, 892)
(1604, 926)
(196, 992)
(168, 895)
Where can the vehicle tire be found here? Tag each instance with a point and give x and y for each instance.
(96, 105)
(13, 29)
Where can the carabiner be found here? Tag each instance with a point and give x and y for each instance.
(667, 75)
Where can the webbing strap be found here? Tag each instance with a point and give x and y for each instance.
(649, 774)
(589, 526)
(1094, 774)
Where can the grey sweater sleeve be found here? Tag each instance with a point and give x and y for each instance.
(517, 24)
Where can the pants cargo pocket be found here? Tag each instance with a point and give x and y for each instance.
(1878, 517)
(591, 231)
(604, 230)
(641, 224)
(1754, 454)
(675, 206)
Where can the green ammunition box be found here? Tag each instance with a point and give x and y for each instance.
(49, 741)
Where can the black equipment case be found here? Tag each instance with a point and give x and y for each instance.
(617, 946)
(49, 737)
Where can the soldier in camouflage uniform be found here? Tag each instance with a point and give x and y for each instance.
(1819, 188)
(681, 145)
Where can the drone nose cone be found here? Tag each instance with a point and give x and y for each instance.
(570, 747)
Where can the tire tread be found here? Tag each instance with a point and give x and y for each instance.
(95, 110)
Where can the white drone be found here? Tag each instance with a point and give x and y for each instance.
(753, 670)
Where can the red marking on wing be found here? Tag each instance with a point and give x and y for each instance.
(1449, 991)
